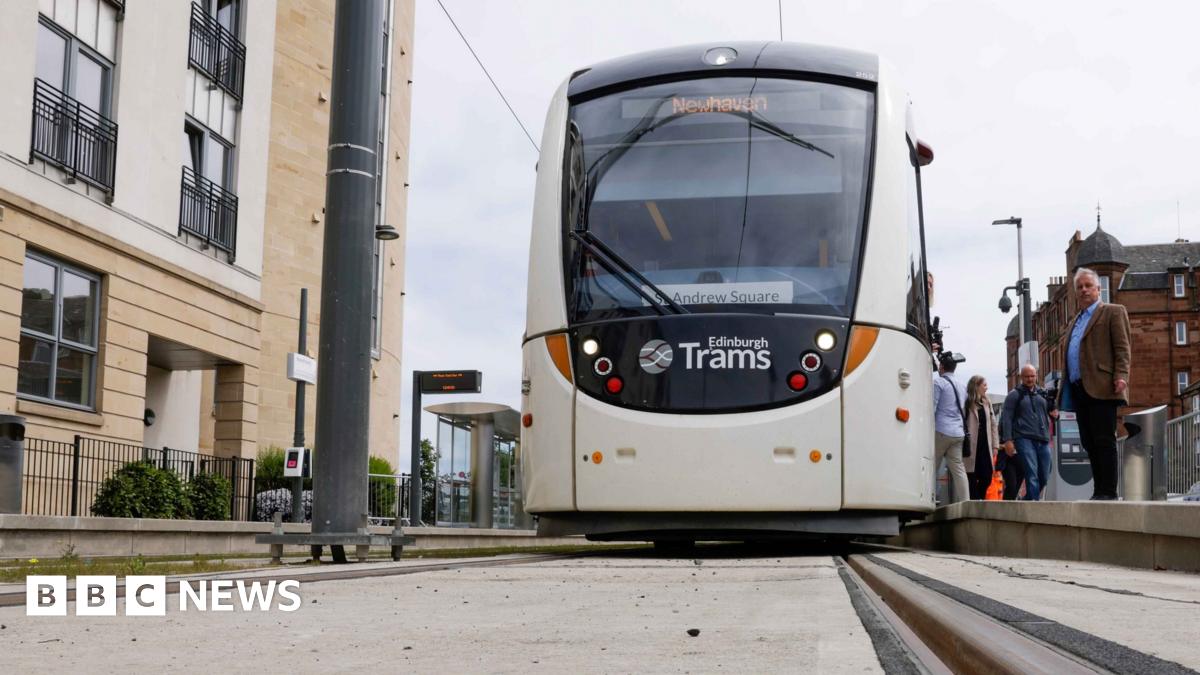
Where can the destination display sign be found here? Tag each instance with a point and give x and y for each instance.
(729, 293)
(451, 382)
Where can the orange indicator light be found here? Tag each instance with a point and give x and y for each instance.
(814, 456)
(597, 457)
(902, 414)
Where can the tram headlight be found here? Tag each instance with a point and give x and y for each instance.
(720, 56)
(826, 340)
(590, 346)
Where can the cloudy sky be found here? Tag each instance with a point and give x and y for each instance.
(1034, 109)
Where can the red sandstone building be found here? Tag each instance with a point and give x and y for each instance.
(1157, 284)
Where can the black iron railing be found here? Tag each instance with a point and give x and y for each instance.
(216, 52)
(73, 136)
(62, 479)
(208, 211)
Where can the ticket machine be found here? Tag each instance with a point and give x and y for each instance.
(1071, 474)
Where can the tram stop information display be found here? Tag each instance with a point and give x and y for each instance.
(450, 381)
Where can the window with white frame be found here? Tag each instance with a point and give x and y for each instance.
(1181, 332)
(1104, 296)
(60, 308)
(1181, 380)
(1179, 285)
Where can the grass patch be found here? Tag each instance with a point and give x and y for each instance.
(70, 564)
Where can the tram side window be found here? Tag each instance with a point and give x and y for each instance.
(917, 303)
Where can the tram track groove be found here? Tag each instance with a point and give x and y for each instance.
(965, 640)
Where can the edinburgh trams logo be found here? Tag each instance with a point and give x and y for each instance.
(717, 353)
(655, 356)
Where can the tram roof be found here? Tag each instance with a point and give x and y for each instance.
(752, 58)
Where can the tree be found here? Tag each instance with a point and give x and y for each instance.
(429, 460)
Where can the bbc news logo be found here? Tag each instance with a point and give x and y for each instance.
(97, 595)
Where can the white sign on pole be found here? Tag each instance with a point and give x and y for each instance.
(301, 368)
(1028, 353)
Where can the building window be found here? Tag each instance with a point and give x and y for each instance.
(1181, 332)
(1179, 285)
(1181, 381)
(207, 204)
(1104, 296)
(214, 48)
(59, 327)
(72, 97)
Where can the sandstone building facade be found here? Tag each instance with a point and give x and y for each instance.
(162, 174)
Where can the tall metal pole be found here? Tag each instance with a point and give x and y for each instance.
(414, 474)
(298, 436)
(1024, 313)
(344, 373)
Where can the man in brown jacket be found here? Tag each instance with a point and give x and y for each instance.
(1097, 378)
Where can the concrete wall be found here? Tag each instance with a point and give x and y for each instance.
(1153, 535)
(174, 396)
(49, 537)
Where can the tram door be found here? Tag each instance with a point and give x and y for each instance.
(1072, 472)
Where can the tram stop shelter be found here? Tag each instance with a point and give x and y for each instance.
(479, 458)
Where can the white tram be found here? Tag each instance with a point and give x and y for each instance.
(727, 332)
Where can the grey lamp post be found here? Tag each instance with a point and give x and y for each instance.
(1022, 288)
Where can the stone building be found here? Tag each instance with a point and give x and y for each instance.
(149, 279)
(1157, 285)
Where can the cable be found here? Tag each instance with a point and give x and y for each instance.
(489, 76)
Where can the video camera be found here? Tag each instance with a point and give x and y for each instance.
(936, 337)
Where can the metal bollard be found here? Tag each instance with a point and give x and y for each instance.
(12, 460)
(1143, 456)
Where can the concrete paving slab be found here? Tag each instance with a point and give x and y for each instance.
(1153, 612)
(579, 615)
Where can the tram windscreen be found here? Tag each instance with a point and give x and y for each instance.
(728, 194)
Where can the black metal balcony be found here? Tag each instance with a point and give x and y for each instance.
(217, 53)
(208, 211)
(73, 136)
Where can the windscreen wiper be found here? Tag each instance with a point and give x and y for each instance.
(759, 122)
(627, 274)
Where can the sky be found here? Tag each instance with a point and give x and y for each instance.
(1039, 110)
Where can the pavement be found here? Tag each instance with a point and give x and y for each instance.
(630, 613)
(1153, 612)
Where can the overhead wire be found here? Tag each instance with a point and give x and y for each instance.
(489, 75)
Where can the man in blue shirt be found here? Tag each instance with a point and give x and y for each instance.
(948, 397)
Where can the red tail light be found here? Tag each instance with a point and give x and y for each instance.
(614, 385)
(797, 381)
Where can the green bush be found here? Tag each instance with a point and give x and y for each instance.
(209, 494)
(381, 492)
(142, 490)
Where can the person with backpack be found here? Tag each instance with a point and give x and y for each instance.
(1025, 427)
(949, 431)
